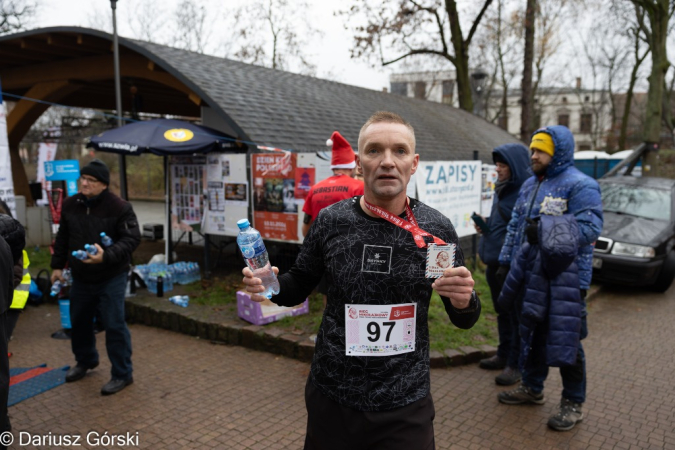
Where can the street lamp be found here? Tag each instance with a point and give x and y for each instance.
(118, 100)
(478, 81)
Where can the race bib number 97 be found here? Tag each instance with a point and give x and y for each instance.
(380, 330)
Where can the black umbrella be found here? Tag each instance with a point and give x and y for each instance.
(164, 137)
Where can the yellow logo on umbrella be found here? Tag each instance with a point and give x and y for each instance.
(178, 135)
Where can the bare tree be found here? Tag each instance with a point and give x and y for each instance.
(415, 27)
(655, 28)
(192, 26)
(526, 91)
(16, 15)
(147, 21)
(273, 33)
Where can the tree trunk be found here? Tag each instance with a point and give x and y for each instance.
(461, 61)
(658, 19)
(526, 86)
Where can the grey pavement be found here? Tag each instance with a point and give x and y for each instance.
(190, 393)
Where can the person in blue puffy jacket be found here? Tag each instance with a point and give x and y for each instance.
(512, 163)
(556, 189)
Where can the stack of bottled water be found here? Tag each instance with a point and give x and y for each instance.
(155, 271)
(185, 272)
(180, 300)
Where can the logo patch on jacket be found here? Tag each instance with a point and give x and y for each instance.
(553, 206)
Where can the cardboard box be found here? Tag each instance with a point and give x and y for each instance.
(266, 312)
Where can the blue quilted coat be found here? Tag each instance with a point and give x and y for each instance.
(547, 276)
(562, 190)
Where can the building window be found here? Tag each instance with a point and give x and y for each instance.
(420, 89)
(564, 99)
(503, 122)
(399, 89)
(537, 120)
(584, 147)
(448, 89)
(586, 123)
(564, 119)
(587, 98)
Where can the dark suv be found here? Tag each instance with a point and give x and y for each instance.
(636, 246)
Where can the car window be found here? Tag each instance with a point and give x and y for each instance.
(640, 201)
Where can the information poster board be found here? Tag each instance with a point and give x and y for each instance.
(453, 188)
(227, 193)
(489, 179)
(274, 202)
(6, 180)
(188, 186)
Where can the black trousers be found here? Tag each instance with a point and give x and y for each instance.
(331, 426)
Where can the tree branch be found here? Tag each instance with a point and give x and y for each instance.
(439, 22)
(476, 22)
(421, 52)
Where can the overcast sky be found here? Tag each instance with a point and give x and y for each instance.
(331, 54)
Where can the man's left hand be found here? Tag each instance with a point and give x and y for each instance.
(457, 285)
(97, 258)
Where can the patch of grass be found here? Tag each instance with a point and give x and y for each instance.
(444, 335)
(40, 258)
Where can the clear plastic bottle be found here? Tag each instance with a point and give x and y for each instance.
(80, 254)
(91, 249)
(180, 300)
(56, 288)
(253, 249)
(106, 240)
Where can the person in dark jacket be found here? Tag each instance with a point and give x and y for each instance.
(12, 242)
(513, 168)
(556, 189)
(98, 282)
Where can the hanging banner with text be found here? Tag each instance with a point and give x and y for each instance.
(454, 189)
(6, 180)
(274, 202)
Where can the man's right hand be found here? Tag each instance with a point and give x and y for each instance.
(254, 285)
(57, 274)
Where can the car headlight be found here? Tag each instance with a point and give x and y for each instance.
(638, 251)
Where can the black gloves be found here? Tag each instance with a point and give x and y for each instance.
(501, 274)
(532, 231)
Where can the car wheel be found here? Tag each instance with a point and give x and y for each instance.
(665, 278)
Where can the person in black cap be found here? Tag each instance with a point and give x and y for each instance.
(100, 281)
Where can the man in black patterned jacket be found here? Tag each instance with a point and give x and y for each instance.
(100, 281)
(369, 384)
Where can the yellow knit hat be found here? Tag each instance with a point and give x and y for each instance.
(543, 142)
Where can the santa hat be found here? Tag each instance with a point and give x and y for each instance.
(343, 155)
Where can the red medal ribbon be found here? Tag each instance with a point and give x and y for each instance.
(408, 225)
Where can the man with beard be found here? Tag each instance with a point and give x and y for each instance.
(556, 192)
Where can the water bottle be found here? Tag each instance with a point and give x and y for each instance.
(80, 254)
(106, 240)
(91, 249)
(67, 276)
(180, 300)
(56, 288)
(253, 249)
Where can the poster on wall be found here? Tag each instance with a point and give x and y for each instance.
(187, 182)
(489, 179)
(6, 179)
(226, 193)
(274, 200)
(46, 153)
(453, 188)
